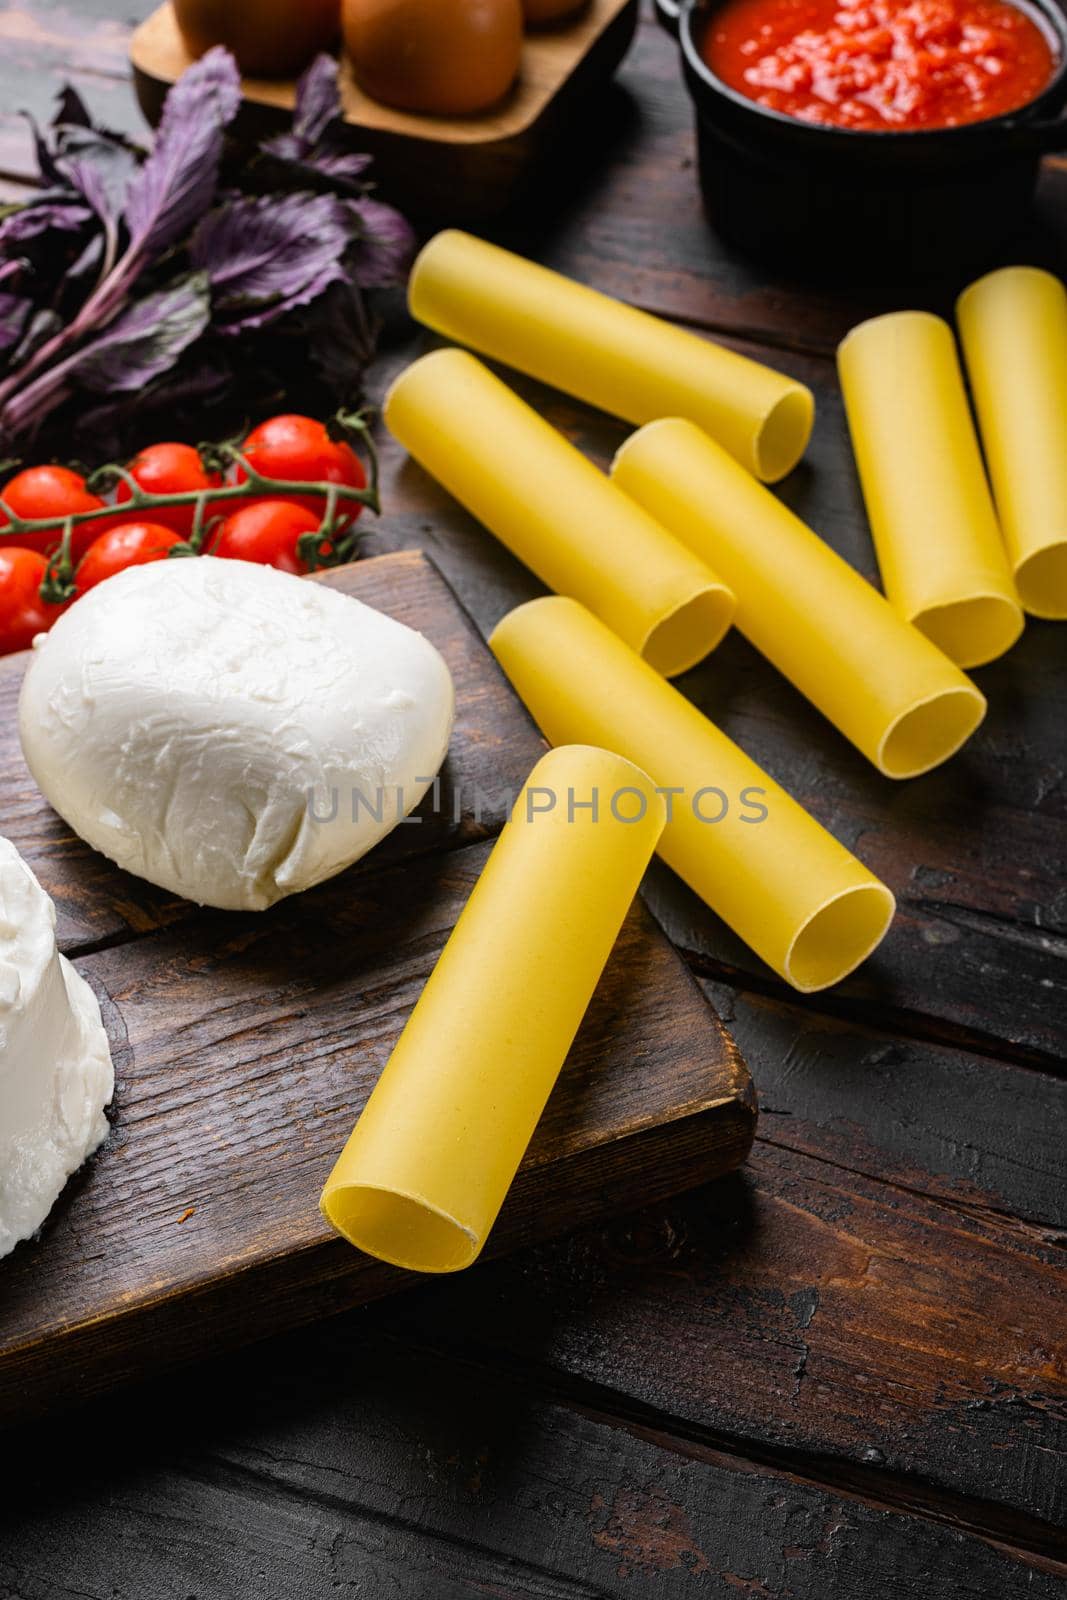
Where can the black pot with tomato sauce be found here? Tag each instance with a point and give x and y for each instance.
(828, 151)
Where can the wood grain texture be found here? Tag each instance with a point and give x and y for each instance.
(809, 1312)
(493, 748)
(45, 46)
(979, 1134)
(549, 58)
(245, 1047)
(342, 1462)
(882, 1289)
(461, 167)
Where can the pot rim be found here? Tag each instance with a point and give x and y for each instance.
(1048, 17)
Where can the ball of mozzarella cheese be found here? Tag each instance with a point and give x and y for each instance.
(55, 1065)
(230, 732)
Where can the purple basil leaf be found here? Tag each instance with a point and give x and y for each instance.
(386, 245)
(101, 168)
(325, 166)
(345, 166)
(339, 340)
(88, 262)
(283, 146)
(106, 426)
(71, 113)
(14, 309)
(71, 109)
(73, 141)
(318, 102)
(47, 171)
(312, 147)
(176, 184)
(88, 180)
(42, 215)
(147, 339)
(41, 326)
(265, 256)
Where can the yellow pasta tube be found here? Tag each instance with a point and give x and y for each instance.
(879, 680)
(427, 1167)
(626, 362)
(803, 903)
(940, 550)
(1013, 325)
(555, 511)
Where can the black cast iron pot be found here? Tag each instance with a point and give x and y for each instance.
(846, 202)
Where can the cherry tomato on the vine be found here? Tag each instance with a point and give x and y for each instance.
(23, 613)
(266, 531)
(53, 492)
(131, 544)
(300, 450)
(169, 469)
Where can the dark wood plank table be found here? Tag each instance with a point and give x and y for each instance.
(837, 1374)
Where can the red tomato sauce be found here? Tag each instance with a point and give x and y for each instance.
(880, 64)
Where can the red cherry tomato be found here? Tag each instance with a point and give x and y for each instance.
(169, 469)
(53, 492)
(22, 611)
(299, 449)
(131, 544)
(266, 531)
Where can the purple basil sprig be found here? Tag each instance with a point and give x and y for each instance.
(387, 244)
(163, 197)
(129, 274)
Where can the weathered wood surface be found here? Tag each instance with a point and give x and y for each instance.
(880, 1290)
(623, 1413)
(981, 1135)
(342, 1462)
(807, 1311)
(245, 1047)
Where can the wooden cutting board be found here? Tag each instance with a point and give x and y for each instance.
(245, 1046)
(461, 167)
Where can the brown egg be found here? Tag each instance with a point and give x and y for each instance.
(443, 57)
(270, 38)
(539, 12)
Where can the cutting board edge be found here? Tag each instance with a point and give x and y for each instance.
(297, 1287)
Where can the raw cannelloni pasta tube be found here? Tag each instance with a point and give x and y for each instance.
(422, 1177)
(1013, 324)
(879, 680)
(940, 550)
(555, 511)
(785, 885)
(609, 354)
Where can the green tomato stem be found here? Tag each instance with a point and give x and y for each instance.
(59, 584)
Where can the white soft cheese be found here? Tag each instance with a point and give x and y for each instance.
(230, 732)
(55, 1065)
